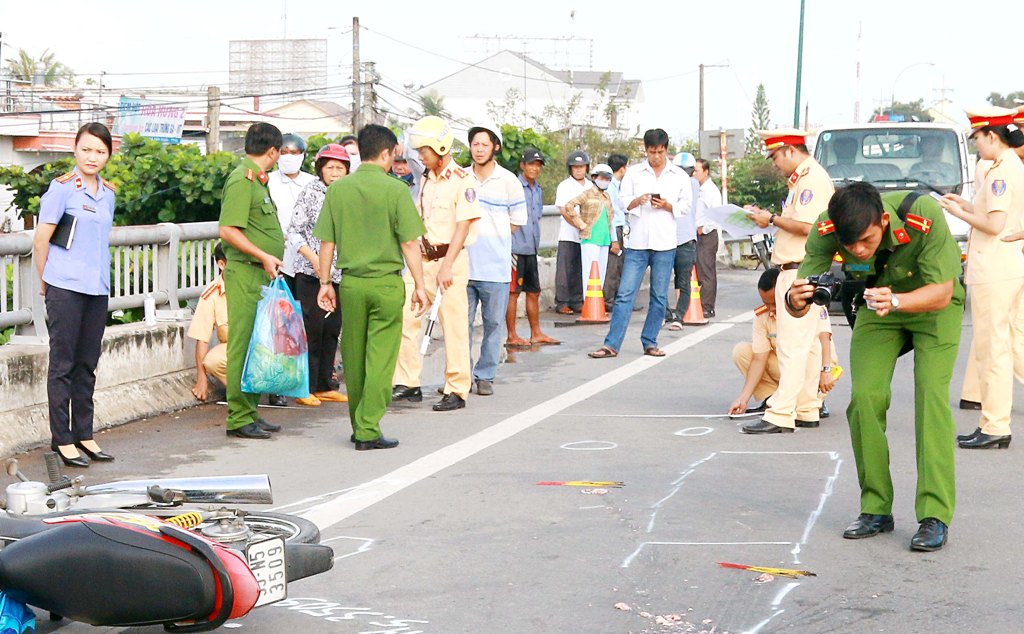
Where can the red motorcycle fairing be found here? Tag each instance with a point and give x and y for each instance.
(128, 569)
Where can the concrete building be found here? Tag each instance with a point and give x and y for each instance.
(512, 88)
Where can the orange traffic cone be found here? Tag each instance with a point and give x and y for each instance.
(593, 301)
(695, 313)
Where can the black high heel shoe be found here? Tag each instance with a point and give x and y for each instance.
(80, 461)
(98, 456)
(986, 441)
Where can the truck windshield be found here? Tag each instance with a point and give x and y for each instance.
(893, 158)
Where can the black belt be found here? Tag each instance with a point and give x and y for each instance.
(790, 266)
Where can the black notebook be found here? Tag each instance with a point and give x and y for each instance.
(65, 231)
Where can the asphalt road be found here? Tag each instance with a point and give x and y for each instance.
(452, 533)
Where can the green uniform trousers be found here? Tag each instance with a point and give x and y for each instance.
(874, 348)
(242, 283)
(371, 311)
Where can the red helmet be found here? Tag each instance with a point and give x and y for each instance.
(333, 151)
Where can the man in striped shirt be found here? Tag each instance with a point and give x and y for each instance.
(503, 210)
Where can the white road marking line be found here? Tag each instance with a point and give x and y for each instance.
(742, 317)
(629, 560)
(329, 513)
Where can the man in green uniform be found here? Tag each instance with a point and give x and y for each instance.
(373, 221)
(900, 245)
(254, 246)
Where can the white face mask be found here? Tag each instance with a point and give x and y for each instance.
(290, 163)
(601, 183)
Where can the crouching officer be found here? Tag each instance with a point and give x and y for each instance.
(448, 206)
(900, 246)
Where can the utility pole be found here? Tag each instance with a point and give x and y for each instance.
(700, 109)
(213, 119)
(99, 99)
(799, 68)
(370, 96)
(356, 79)
(723, 157)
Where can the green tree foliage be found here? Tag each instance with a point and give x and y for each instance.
(911, 111)
(431, 103)
(760, 119)
(753, 180)
(156, 182)
(24, 67)
(1009, 100)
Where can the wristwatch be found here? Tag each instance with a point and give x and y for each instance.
(771, 219)
(895, 301)
(325, 282)
(826, 368)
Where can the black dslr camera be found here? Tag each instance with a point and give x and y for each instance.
(826, 288)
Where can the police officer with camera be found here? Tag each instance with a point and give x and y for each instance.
(899, 245)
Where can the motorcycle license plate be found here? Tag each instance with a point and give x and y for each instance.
(266, 560)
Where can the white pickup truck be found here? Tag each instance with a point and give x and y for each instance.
(899, 157)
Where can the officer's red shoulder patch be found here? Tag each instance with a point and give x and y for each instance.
(250, 175)
(793, 178)
(210, 290)
(262, 178)
(920, 223)
(825, 227)
(901, 236)
(63, 178)
(461, 173)
(762, 310)
(112, 187)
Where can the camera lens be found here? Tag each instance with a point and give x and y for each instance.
(822, 296)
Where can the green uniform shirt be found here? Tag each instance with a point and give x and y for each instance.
(923, 257)
(247, 205)
(367, 215)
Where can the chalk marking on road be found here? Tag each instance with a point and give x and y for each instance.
(664, 415)
(596, 506)
(678, 484)
(365, 546)
(598, 445)
(694, 431)
(329, 513)
(629, 560)
(775, 605)
(816, 513)
(831, 454)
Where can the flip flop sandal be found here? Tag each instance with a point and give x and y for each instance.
(654, 352)
(604, 352)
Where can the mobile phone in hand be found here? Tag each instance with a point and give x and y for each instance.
(658, 196)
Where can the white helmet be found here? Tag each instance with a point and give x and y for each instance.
(601, 169)
(684, 160)
(433, 132)
(493, 128)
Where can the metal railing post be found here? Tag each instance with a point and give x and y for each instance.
(166, 265)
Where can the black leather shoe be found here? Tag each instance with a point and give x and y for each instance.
(986, 441)
(709, 312)
(824, 412)
(80, 462)
(970, 436)
(931, 535)
(807, 423)
(761, 407)
(965, 404)
(764, 427)
(98, 456)
(380, 443)
(252, 430)
(449, 402)
(277, 400)
(265, 426)
(403, 393)
(867, 525)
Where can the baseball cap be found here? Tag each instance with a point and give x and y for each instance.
(532, 155)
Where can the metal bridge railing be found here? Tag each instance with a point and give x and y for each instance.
(170, 262)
